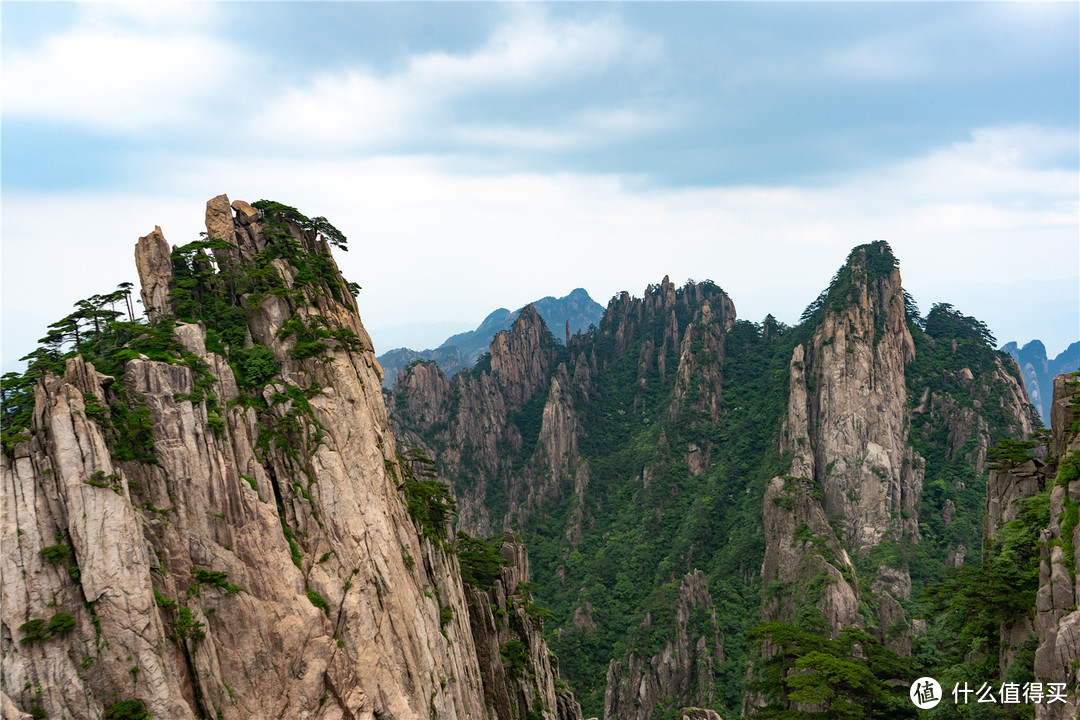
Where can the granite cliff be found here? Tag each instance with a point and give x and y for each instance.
(676, 461)
(865, 392)
(207, 515)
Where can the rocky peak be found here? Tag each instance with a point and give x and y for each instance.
(627, 317)
(421, 390)
(519, 672)
(222, 529)
(854, 479)
(857, 412)
(522, 359)
(153, 261)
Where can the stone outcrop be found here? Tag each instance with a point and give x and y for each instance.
(154, 263)
(805, 563)
(519, 672)
(1057, 621)
(857, 412)
(854, 479)
(471, 422)
(701, 357)
(565, 316)
(211, 549)
(688, 654)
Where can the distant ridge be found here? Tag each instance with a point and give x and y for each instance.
(1039, 371)
(577, 311)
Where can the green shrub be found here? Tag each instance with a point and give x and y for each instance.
(215, 578)
(55, 554)
(319, 601)
(185, 627)
(480, 560)
(514, 652)
(61, 622)
(36, 631)
(127, 710)
(255, 367)
(427, 499)
(162, 601)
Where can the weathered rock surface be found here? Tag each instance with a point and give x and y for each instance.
(468, 423)
(154, 263)
(854, 479)
(684, 665)
(693, 713)
(519, 672)
(858, 414)
(1057, 621)
(264, 563)
(805, 563)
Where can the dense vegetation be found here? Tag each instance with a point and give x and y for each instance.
(204, 289)
(849, 678)
(647, 520)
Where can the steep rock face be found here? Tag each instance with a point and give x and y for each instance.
(474, 425)
(521, 457)
(805, 564)
(1006, 488)
(565, 316)
(448, 359)
(519, 672)
(854, 479)
(256, 558)
(423, 392)
(860, 400)
(1057, 621)
(682, 670)
(1039, 371)
(857, 412)
(522, 360)
(154, 264)
(698, 379)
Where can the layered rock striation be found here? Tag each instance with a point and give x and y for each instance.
(867, 388)
(223, 528)
(1057, 621)
(691, 651)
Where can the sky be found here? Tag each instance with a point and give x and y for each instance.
(486, 155)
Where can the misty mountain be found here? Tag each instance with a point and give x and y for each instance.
(566, 315)
(1039, 371)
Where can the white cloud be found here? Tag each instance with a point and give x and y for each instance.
(357, 108)
(430, 245)
(881, 59)
(148, 72)
(595, 127)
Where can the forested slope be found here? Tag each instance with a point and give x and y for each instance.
(682, 477)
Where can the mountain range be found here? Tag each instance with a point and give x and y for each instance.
(571, 314)
(218, 510)
(1039, 371)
